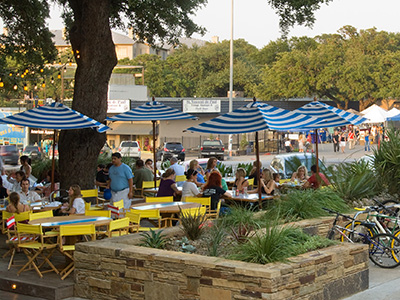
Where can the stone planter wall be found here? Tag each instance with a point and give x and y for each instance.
(117, 269)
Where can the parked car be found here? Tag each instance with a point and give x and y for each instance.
(286, 164)
(129, 149)
(106, 150)
(212, 148)
(171, 149)
(202, 163)
(9, 154)
(33, 152)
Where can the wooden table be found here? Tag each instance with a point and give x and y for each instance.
(71, 220)
(251, 198)
(39, 206)
(165, 207)
(155, 190)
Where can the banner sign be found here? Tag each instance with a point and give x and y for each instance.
(202, 106)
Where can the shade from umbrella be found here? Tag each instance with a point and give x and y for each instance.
(254, 117)
(332, 116)
(57, 117)
(152, 111)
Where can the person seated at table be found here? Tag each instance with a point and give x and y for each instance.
(267, 183)
(276, 177)
(240, 180)
(101, 177)
(253, 172)
(26, 196)
(168, 186)
(76, 203)
(189, 188)
(3, 190)
(301, 174)
(15, 205)
(194, 165)
(211, 166)
(316, 180)
(214, 190)
(141, 174)
(15, 180)
(25, 165)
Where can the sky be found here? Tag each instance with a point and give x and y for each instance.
(257, 23)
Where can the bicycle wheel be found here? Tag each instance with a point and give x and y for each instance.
(331, 234)
(393, 211)
(383, 249)
(396, 248)
(356, 234)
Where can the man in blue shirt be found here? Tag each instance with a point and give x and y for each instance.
(121, 181)
(179, 170)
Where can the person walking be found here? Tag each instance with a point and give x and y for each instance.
(120, 181)
(351, 138)
(335, 140)
(343, 138)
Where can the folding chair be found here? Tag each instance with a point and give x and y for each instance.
(180, 178)
(93, 193)
(214, 214)
(98, 213)
(42, 215)
(148, 185)
(153, 215)
(118, 227)
(204, 201)
(68, 250)
(251, 182)
(159, 199)
(4, 216)
(119, 204)
(134, 220)
(33, 248)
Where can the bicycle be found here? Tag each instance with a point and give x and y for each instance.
(384, 248)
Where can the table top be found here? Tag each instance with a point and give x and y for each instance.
(40, 206)
(71, 220)
(166, 207)
(249, 197)
(155, 190)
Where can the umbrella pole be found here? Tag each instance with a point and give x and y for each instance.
(316, 150)
(154, 153)
(258, 172)
(53, 163)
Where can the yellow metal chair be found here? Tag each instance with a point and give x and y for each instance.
(35, 248)
(68, 250)
(118, 227)
(214, 214)
(41, 215)
(180, 178)
(159, 199)
(134, 220)
(98, 213)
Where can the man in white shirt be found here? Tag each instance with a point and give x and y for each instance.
(25, 195)
(179, 170)
(16, 183)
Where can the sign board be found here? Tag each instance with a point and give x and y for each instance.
(118, 106)
(10, 133)
(42, 131)
(201, 106)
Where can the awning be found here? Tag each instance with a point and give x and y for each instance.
(130, 129)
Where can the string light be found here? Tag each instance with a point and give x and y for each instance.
(59, 75)
(1, 83)
(41, 70)
(25, 87)
(43, 84)
(22, 75)
(15, 87)
(52, 79)
(35, 86)
(11, 74)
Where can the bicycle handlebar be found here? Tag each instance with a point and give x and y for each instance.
(337, 213)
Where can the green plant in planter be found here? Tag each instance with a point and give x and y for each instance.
(247, 167)
(305, 204)
(241, 222)
(354, 180)
(153, 239)
(41, 167)
(217, 235)
(192, 224)
(224, 169)
(277, 244)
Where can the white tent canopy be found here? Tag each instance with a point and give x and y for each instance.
(393, 112)
(375, 114)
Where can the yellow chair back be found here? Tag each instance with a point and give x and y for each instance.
(90, 193)
(41, 215)
(147, 184)
(204, 201)
(71, 230)
(283, 181)
(159, 199)
(194, 211)
(98, 213)
(6, 215)
(119, 224)
(134, 217)
(119, 204)
(22, 216)
(29, 229)
(250, 181)
(180, 178)
(150, 213)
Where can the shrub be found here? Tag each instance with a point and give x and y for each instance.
(305, 204)
(153, 239)
(278, 244)
(353, 181)
(387, 162)
(41, 167)
(217, 235)
(192, 224)
(247, 167)
(241, 222)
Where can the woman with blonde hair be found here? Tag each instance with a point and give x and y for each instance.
(194, 165)
(211, 166)
(267, 182)
(241, 181)
(76, 202)
(301, 174)
(255, 171)
(15, 206)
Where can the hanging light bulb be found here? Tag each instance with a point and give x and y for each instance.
(1, 83)
(43, 84)
(25, 87)
(52, 79)
(59, 75)
(35, 86)
(22, 75)
(26, 70)
(41, 70)
(15, 87)
(10, 74)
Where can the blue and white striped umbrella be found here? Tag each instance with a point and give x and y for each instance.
(332, 116)
(55, 116)
(256, 116)
(151, 111)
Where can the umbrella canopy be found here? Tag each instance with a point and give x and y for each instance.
(375, 114)
(152, 111)
(393, 112)
(256, 116)
(332, 116)
(55, 116)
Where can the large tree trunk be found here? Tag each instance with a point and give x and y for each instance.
(94, 52)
